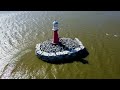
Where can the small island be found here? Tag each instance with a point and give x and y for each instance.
(60, 49)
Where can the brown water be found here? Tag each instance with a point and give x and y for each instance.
(99, 31)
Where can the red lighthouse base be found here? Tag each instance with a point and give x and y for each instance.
(55, 37)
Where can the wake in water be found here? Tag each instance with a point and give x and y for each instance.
(19, 31)
(14, 38)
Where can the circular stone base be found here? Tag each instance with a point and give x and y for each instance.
(66, 49)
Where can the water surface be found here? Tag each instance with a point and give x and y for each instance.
(21, 31)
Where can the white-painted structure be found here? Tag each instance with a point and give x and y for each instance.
(59, 55)
(55, 25)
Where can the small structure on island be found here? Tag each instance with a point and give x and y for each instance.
(60, 49)
(55, 34)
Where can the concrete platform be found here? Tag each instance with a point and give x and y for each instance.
(67, 49)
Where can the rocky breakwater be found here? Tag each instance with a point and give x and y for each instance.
(66, 50)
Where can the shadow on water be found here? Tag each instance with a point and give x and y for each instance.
(79, 58)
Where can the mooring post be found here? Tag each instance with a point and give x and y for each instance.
(55, 33)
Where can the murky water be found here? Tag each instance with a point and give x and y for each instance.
(21, 31)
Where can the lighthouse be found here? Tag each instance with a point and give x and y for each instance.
(55, 33)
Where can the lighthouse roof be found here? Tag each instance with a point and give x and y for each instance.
(55, 22)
